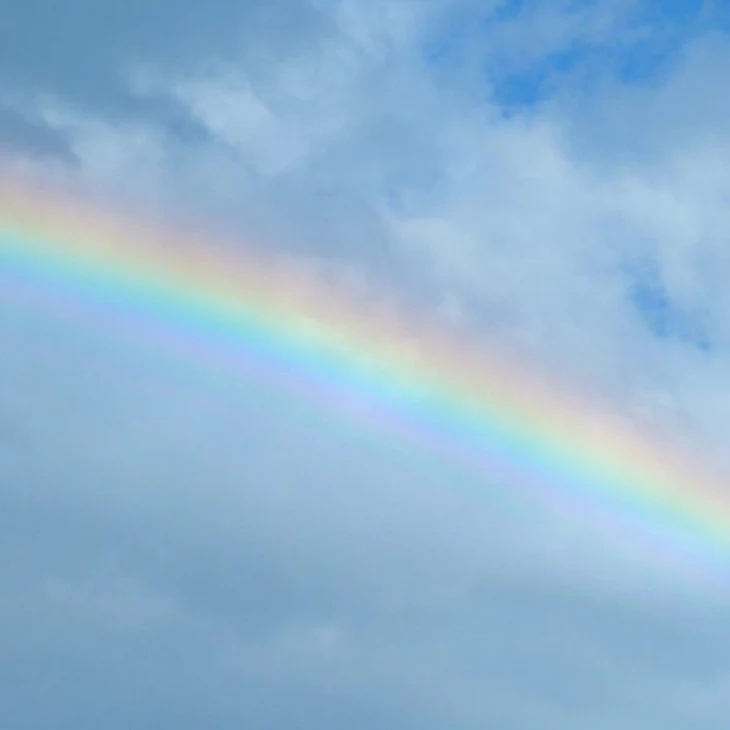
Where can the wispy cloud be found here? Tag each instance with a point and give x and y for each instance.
(551, 175)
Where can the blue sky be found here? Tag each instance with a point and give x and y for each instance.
(550, 175)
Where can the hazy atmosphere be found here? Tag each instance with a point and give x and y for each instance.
(179, 551)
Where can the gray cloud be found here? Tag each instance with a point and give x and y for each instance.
(179, 553)
(219, 560)
(80, 48)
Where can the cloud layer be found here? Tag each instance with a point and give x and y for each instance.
(553, 175)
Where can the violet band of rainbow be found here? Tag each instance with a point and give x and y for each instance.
(262, 316)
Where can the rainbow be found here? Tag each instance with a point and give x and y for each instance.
(258, 315)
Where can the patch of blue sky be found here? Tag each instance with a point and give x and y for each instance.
(669, 26)
(643, 47)
(538, 82)
(659, 313)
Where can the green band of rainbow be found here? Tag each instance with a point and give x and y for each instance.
(264, 316)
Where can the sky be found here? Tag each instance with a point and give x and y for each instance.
(552, 176)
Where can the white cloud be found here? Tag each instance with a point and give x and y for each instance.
(312, 563)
